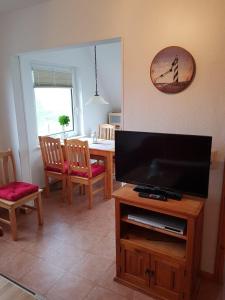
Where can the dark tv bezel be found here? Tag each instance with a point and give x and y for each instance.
(164, 188)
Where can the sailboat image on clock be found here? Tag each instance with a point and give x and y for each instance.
(172, 70)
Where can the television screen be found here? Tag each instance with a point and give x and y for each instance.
(173, 162)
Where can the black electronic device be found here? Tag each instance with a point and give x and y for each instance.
(153, 196)
(158, 191)
(169, 223)
(161, 163)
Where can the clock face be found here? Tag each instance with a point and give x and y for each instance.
(172, 70)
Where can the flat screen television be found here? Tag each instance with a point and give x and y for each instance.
(175, 163)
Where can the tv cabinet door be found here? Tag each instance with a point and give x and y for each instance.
(135, 265)
(167, 278)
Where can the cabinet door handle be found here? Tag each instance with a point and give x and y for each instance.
(151, 273)
(147, 272)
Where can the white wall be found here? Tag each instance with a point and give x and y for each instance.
(110, 72)
(146, 26)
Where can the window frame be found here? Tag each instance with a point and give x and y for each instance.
(74, 101)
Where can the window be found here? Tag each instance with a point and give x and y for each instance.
(53, 97)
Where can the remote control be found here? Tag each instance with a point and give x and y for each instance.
(153, 196)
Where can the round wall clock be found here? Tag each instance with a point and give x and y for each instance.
(172, 70)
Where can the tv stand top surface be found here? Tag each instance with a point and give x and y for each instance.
(186, 207)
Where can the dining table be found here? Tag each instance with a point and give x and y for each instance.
(104, 149)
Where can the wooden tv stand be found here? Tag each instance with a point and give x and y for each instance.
(155, 261)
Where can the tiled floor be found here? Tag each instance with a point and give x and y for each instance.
(73, 255)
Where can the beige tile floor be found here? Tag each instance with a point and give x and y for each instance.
(73, 255)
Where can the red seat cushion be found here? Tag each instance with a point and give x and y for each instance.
(17, 190)
(58, 170)
(96, 170)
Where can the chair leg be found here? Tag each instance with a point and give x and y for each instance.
(64, 183)
(105, 185)
(12, 219)
(38, 204)
(70, 191)
(90, 196)
(47, 185)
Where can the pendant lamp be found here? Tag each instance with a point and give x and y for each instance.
(96, 99)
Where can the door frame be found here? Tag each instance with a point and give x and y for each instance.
(220, 250)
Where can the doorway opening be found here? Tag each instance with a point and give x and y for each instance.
(60, 81)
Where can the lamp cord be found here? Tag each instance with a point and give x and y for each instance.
(96, 75)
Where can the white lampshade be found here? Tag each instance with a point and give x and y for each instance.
(96, 99)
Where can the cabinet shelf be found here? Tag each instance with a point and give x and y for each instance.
(125, 219)
(157, 243)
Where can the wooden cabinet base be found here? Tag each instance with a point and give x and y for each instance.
(149, 292)
(137, 288)
(162, 263)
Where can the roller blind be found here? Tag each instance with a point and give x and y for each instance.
(51, 78)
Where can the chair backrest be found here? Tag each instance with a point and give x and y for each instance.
(51, 151)
(78, 156)
(106, 132)
(7, 167)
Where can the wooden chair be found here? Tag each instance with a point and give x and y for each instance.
(14, 194)
(80, 169)
(106, 132)
(53, 160)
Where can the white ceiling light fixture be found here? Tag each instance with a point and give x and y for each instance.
(96, 99)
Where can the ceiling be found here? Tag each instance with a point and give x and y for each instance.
(7, 6)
